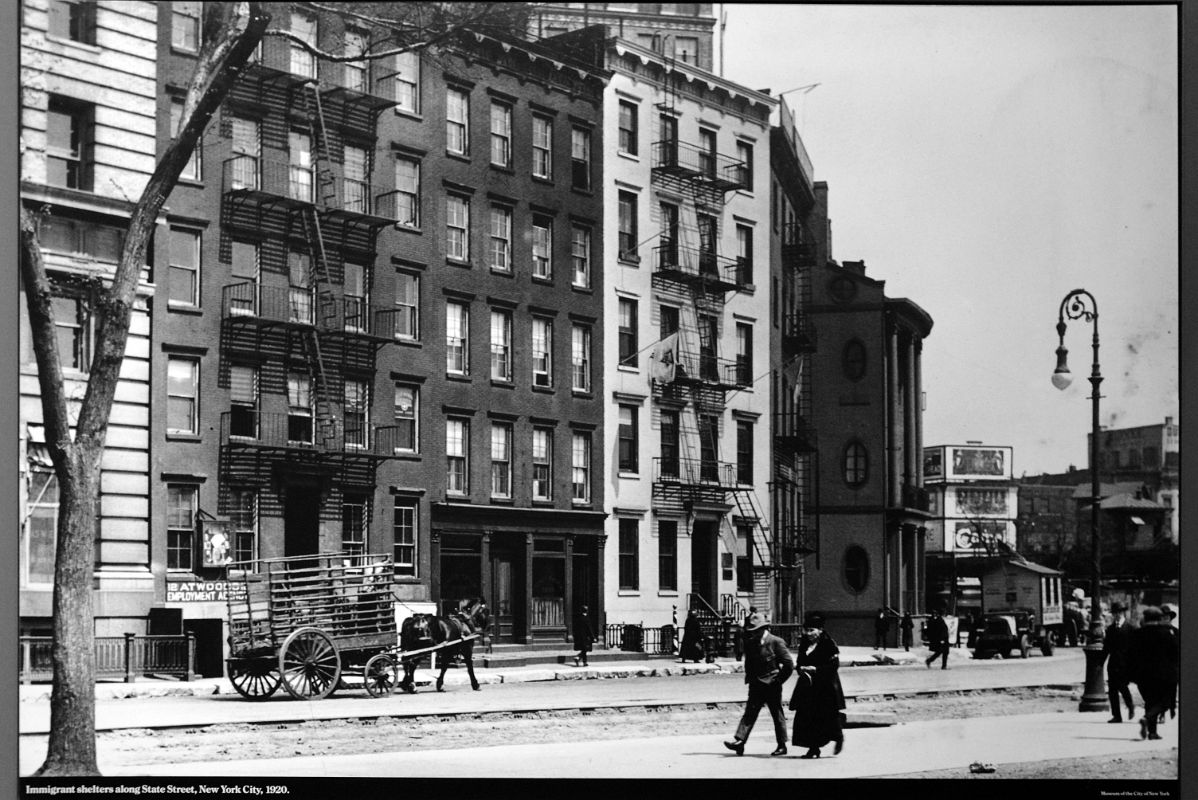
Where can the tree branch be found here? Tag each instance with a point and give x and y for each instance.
(364, 55)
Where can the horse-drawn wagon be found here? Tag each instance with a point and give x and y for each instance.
(306, 622)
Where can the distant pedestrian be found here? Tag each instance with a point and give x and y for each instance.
(818, 699)
(1170, 614)
(1115, 646)
(881, 628)
(583, 636)
(768, 663)
(937, 640)
(1153, 663)
(907, 626)
(692, 640)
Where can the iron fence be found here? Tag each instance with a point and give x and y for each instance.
(124, 657)
(660, 640)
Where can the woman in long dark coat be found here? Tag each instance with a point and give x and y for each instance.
(583, 636)
(1153, 663)
(818, 699)
(692, 640)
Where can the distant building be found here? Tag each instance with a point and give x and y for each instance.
(681, 32)
(1149, 455)
(974, 503)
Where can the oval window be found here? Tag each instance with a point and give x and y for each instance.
(856, 568)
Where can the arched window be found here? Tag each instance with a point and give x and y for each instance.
(856, 568)
(853, 360)
(856, 464)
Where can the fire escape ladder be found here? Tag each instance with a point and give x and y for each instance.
(314, 111)
(748, 507)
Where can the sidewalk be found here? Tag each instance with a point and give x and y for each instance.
(457, 676)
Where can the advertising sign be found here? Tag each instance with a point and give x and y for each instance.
(217, 536)
(980, 462)
(933, 462)
(983, 535)
(203, 591)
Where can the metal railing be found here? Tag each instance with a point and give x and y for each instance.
(124, 657)
(299, 184)
(699, 264)
(249, 428)
(637, 638)
(303, 307)
(689, 160)
(693, 471)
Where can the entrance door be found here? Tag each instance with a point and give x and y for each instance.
(301, 521)
(703, 566)
(503, 604)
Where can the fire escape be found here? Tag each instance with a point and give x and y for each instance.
(305, 320)
(691, 276)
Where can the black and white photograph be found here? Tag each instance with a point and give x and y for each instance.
(517, 397)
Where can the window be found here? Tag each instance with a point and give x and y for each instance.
(299, 280)
(299, 408)
(709, 336)
(580, 158)
(629, 554)
(627, 334)
(580, 358)
(355, 413)
(457, 123)
(81, 238)
(354, 75)
(669, 321)
(300, 159)
(668, 240)
(72, 324)
(744, 354)
(246, 147)
(405, 528)
(542, 463)
(669, 444)
(580, 255)
(667, 153)
(457, 338)
(407, 303)
(501, 345)
(744, 154)
(243, 401)
(628, 127)
(708, 227)
(180, 525)
(542, 147)
(356, 194)
(856, 568)
(39, 534)
(501, 134)
(357, 296)
(501, 238)
(407, 192)
(744, 558)
(74, 20)
(182, 395)
(667, 555)
(303, 62)
(686, 49)
(184, 280)
(69, 140)
(542, 352)
(580, 477)
(355, 516)
(457, 228)
(192, 170)
(707, 151)
(856, 464)
(744, 452)
(407, 416)
(628, 440)
(542, 247)
(709, 447)
(457, 455)
(501, 460)
(407, 82)
(852, 359)
(185, 26)
(627, 223)
(744, 254)
(243, 513)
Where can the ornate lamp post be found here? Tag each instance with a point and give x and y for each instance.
(1080, 304)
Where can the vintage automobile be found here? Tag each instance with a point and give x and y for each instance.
(1010, 632)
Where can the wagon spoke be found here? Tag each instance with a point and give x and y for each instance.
(310, 664)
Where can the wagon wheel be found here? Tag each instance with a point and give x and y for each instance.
(254, 679)
(380, 675)
(309, 664)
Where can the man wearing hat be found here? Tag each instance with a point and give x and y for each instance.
(1115, 648)
(1153, 665)
(768, 663)
(1170, 612)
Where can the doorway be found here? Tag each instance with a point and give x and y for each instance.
(703, 566)
(301, 520)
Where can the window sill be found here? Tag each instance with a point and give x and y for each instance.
(627, 368)
(412, 115)
(502, 501)
(180, 51)
(543, 389)
(667, 593)
(498, 383)
(180, 308)
(629, 476)
(580, 504)
(583, 395)
(452, 376)
(581, 289)
(416, 457)
(183, 437)
(628, 593)
(416, 229)
(503, 273)
(506, 169)
(629, 261)
(628, 155)
(194, 183)
(544, 280)
(464, 157)
(409, 342)
(454, 262)
(543, 502)
(544, 180)
(585, 191)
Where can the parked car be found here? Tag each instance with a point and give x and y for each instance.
(1008, 633)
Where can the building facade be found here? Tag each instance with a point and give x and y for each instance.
(867, 403)
(1149, 455)
(677, 31)
(87, 131)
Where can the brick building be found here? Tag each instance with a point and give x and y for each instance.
(678, 31)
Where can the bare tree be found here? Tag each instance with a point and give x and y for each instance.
(230, 34)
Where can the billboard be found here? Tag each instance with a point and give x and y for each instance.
(967, 462)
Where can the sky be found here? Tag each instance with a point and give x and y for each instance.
(984, 162)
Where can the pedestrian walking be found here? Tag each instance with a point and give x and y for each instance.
(907, 626)
(881, 628)
(818, 699)
(1153, 666)
(768, 663)
(1170, 614)
(937, 639)
(692, 640)
(583, 636)
(1115, 647)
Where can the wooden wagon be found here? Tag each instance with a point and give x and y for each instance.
(304, 622)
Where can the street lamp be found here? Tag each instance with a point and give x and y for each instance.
(1080, 304)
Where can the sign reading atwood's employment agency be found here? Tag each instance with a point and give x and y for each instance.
(193, 591)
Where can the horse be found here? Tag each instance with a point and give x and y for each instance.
(427, 630)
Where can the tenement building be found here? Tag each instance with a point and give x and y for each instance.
(678, 31)
(87, 138)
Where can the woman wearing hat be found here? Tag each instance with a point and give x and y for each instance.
(818, 699)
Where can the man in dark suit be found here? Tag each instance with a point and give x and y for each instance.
(768, 663)
(937, 639)
(1114, 651)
